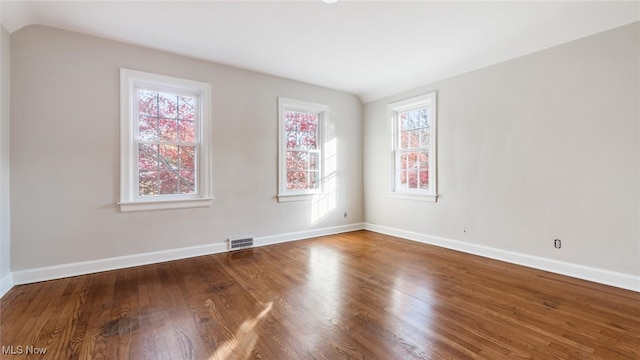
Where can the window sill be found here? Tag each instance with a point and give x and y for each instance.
(414, 196)
(298, 197)
(164, 204)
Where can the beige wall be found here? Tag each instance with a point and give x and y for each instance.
(5, 70)
(541, 147)
(65, 153)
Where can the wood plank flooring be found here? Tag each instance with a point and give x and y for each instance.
(359, 295)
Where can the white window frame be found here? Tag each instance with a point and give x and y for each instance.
(130, 200)
(394, 109)
(286, 104)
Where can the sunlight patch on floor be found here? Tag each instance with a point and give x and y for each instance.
(415, 304)
(325, 282)
(242, 343)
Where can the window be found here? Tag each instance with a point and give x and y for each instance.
(300, 126)
(413, 148)
(165, 142)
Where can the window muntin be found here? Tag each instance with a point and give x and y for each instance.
(165, 125)
(413, 146)
(300, 148)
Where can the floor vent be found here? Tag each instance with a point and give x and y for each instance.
(240, 243)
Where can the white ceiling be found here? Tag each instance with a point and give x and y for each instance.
(371, 49)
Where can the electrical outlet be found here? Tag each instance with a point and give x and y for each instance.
(345, 214)
(557, 243)
(464, 231)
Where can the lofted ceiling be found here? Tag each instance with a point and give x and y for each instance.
(368, 48)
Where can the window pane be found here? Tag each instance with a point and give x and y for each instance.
(147, 103)
(291, 123)
(292, 139)
(424, 138)
(297, 161)
(414, 128)
(308, 141)
(186, 131)
(168, 182)
(412, 170)
(403, 119)
(168, 156)
(167, 105)
(295, 120)
(148, 157)
(296, 180)
(414, 138)
(314, 161)
(411, 159)
(148, 180)
(313, 182)
(423, 160)
(424, 117)
(414, 119)
(301, 119)
(186, 108)
(148, 128)
(301, 140)
(404, 139)
(404, 161)
(168, 129)
(424, 179)
(308, 122)
(402, 179)
(412, 181)
(187, 157)
(187, 181)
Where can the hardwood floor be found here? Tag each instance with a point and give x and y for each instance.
(358, 295)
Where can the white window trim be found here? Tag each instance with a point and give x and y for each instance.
(129, 198)
(284, 194)
(430, 195)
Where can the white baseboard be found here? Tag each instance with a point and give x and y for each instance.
(6, 283)
(306, 234)
(624, 281)
(19, 277)
(88, 267)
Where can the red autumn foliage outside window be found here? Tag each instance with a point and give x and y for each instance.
(302, 150)
(413, 149)
(167, 143)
